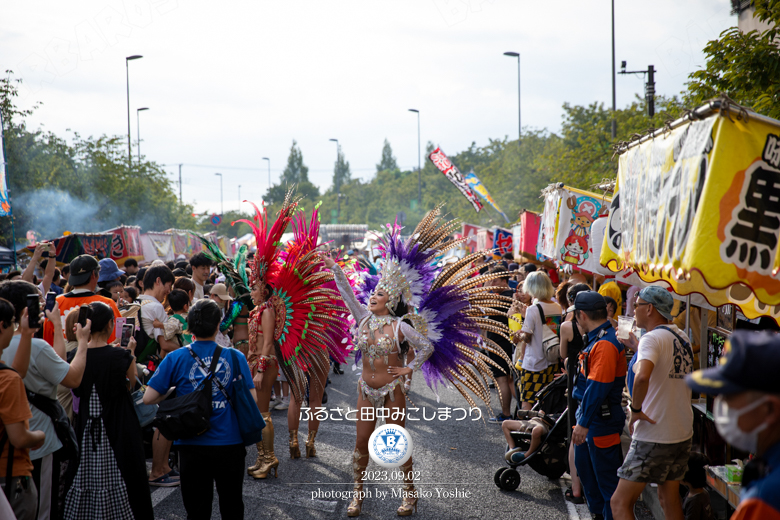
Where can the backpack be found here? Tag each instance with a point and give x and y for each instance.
(551, 343)
(188, 415)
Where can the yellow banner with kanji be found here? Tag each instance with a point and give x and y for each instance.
(699, 207)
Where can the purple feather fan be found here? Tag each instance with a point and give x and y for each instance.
(444, 309)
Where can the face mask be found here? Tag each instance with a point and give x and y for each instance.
(726, 422)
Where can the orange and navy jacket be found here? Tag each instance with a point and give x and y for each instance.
(601, 378)
(70, 301)
(760, 498)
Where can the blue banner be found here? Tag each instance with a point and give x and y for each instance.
(482, 191)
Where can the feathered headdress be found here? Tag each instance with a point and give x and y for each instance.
(268, 241)
(409, 268)
(311, 318)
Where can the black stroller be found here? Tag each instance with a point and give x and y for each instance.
(551, 459)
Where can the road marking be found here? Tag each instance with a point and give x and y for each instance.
(161, 494)
(576, 511)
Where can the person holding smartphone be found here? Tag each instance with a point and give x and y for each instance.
(47, 369)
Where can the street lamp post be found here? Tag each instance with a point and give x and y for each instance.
(269, 171)
(519, 118)
(338, 181)
(138, 129)
(127, 74)
(221, 207)
(239, 198)
(614, 105)
(419, 163)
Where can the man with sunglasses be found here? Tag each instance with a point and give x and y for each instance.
(661, 417)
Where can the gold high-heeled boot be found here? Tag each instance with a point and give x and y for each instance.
(409, 502)
(295, 451)
(310, 451)
(270, 462)
(356, 505)
(259, 461)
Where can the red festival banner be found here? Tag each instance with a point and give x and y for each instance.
(443, 163)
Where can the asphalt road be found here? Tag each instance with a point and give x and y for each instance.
(455, 457)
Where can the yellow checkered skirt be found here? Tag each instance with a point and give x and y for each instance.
(532, 382)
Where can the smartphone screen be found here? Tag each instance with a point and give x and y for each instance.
(85, 313)
(51, 299)
(33, 311)
(130, 321)
(127, 333)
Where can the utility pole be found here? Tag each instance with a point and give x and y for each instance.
(649, 85)
(180, 199)
(614, 105)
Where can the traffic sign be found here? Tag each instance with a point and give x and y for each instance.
(216, 219)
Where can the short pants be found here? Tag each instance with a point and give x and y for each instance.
(529, 425)
(655, 463)
(532, 382)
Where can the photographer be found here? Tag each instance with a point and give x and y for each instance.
(112, 465)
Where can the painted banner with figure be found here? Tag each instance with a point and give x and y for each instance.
(568, 216)
(442, 162)
(469, 231)
(5, 205)
(699, 207)
(157, 245)
(481, 190)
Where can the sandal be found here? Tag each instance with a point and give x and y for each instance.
(569, 495)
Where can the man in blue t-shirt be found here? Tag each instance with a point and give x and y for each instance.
(218, 455)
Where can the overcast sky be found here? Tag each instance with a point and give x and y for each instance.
(228, 83)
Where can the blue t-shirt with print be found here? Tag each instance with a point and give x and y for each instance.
(179, 369)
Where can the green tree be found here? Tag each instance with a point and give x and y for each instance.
(388, 161)
(84, 186)
(746, 66)
(295, 174)
(341, 173)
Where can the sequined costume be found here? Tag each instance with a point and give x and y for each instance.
(448, 307)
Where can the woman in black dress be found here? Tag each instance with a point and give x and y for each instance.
(110, 480)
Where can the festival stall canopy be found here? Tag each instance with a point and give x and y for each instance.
(70, 246)
(525, 235)
(126, 243)
(697, 205)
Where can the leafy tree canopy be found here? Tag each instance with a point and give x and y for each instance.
(388, 160)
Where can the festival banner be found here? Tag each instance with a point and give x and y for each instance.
(699, 208)
(126, 243)
(526, 235)
(470, 232)
(484, 239)
(157, 245)
(98, 245)
(480, 189)
(502, 241)
(5, 205)
(566, 222)
(452, 173)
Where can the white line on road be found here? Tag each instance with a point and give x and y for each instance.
(161, 494)
(576, 512)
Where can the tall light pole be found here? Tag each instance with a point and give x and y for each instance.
(239, 198)
(127, 73)
(269, 171)
(614, 106)
(221, 207)
(337, 180)
(138, 129)
(519, 118)
(419, 163)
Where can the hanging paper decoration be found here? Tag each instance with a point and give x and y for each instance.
(442, 162)
(480, 189)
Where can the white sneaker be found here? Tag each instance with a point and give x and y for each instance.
(274, 402)
(284, 404)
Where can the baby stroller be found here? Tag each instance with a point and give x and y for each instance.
(551, 458)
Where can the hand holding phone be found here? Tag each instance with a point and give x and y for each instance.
(51, 300)
(85, 313)
(33, 311)
(127, 333)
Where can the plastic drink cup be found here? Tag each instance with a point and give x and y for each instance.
(625, 324)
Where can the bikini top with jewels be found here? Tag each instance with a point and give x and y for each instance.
(383, 345)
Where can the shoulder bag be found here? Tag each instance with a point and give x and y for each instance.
(145, 412)
(189, 415)
(59, 418)
(250, 421)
